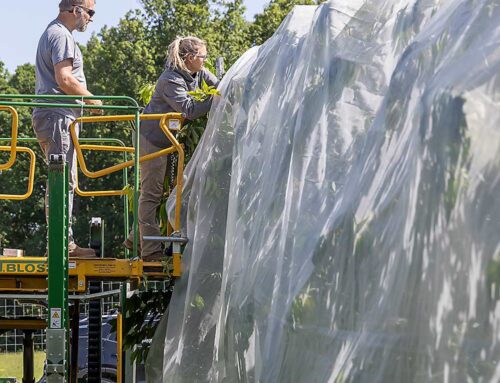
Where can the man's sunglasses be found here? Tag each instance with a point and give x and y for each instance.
(89, 11)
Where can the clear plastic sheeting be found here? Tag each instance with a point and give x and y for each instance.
(343, 205)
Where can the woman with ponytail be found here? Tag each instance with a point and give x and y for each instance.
(184, 72)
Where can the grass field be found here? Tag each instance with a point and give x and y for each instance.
(11, 365)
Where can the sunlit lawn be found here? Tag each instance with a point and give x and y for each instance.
(11, 365)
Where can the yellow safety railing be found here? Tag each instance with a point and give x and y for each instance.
(13, 143)
(174, 123)
(31, 176)
(101, 193)
(168, 123)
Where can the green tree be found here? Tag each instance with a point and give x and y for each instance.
(23, 224)
(23, 79)
(120, 60)
(4, 80)
(229, 35)
(23, 82)
(169, 19)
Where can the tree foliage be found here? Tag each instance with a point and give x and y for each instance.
(120, 60)
(23, 80)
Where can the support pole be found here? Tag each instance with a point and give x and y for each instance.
(94, 350)
(75, 337)
(57, 332)
(129, 368)
(28, 357)
(136, 183)
(119, 348)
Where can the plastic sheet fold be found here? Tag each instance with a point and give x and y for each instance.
(342, 207)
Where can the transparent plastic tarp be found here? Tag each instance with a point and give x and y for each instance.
(343, 206)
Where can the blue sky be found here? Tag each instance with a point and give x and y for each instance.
(22, 23)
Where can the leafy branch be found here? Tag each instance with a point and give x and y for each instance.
(142, 315)
(146, 93)
(203, 93)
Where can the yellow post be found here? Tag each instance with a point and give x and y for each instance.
(14, 130)
(31, 175)
(176, 253)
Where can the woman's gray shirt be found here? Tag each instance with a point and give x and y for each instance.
(170, 95)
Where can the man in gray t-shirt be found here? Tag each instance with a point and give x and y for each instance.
(59, 71)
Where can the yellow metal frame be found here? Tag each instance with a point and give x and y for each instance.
(31, 175)
(14, 131)
(30, 273)
(102, 193)
(104, 268)
(171, 117)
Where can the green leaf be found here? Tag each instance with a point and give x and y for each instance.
(204, 93)
(146, 93)
(129, 192)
